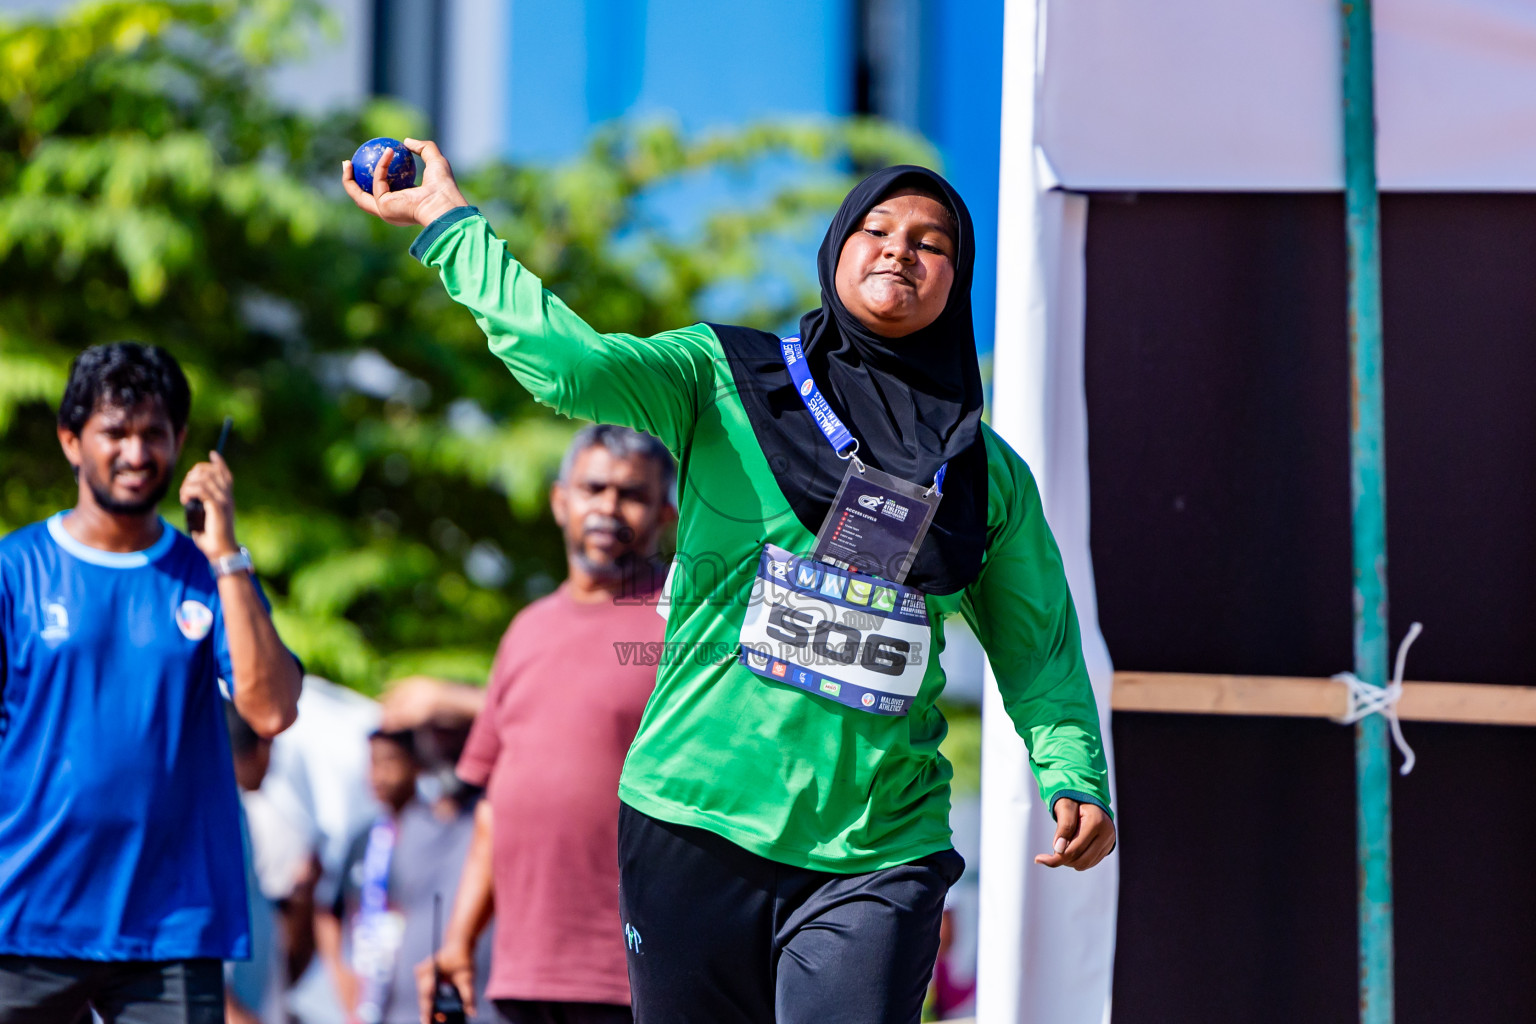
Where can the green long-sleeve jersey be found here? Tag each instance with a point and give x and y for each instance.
(780, 772)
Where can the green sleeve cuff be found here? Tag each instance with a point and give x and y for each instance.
(434, 231)
(1080, 797)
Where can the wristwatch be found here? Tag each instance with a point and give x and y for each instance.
(230, 564)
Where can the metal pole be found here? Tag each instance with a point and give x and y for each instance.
(1367, 477)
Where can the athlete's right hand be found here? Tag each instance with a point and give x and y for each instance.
(456, 963)
(421, 204)
(1085, 835)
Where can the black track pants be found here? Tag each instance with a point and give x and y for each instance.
(717, 935)
(523, 1011)
(40, 990)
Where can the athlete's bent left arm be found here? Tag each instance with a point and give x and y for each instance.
(266, 676)
(1022, 612)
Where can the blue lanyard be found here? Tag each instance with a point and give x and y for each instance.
(378, 963)
(832, 428)
(376, 858)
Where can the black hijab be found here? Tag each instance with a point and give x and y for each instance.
(913, 402)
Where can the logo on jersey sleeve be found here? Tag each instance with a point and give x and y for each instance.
(55, 622)
(194, 620)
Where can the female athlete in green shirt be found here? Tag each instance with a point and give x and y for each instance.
(784, 836)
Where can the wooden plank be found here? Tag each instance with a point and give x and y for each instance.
(1468, 703)
(1289, 696)
(1198, 694)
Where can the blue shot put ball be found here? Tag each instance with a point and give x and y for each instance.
(402, 166)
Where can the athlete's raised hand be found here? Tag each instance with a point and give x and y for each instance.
(212, 483)
(421, 204)
(1084, 836)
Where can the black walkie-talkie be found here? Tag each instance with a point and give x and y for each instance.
(447, 1006)
(194, 508)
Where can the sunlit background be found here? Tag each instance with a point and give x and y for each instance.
(170, 174)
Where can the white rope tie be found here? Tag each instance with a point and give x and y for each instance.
(1365, 699)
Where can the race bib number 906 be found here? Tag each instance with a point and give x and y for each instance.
(844, 636)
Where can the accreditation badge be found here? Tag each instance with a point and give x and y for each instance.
(876, 523)
(841, 635)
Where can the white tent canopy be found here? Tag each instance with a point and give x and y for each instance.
(1244, 95)
(1178, 95)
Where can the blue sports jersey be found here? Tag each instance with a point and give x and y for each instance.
(119, 820)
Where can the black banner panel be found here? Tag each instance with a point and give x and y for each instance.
(1218, 398)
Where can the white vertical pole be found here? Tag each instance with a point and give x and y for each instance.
(1046, 937)
(1007, 800)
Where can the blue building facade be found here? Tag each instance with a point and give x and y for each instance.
(934, 66)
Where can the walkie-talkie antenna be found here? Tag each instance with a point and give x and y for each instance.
(447, 1004)
(194, 509)
(437, 938)
(229, 421)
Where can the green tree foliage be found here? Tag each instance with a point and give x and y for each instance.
(391, 476)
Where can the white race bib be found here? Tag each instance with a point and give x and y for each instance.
(851, 638)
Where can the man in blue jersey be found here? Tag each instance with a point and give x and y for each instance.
(121, 878)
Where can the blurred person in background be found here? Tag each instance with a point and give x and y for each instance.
(255, 988)
(311, 806)
(549, 738)
(123, 887)
(948, 993)
(380, 923)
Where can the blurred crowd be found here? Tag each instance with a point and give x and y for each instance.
(356, 833)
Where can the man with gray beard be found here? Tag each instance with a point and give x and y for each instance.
(570, 681)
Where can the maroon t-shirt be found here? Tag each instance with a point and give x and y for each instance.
(561, 711)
